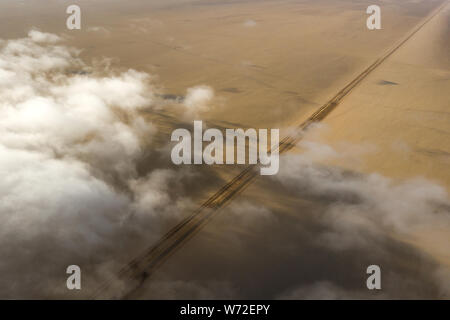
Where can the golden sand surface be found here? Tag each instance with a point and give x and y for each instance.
(402, 113)
(271, 63)
(402, 109)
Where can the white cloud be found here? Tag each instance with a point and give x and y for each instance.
(371, 199)
(38, 36)
(102, 30)
(362, 207)
(198, 99)
(69, 146)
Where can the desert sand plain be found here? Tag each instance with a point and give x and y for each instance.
(366, 186)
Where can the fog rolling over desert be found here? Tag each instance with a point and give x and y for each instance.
(88, 178)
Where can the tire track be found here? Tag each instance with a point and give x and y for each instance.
(143, 266)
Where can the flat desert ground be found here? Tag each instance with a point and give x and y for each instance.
(367, 185)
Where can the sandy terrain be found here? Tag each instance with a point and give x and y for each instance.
(402, 109)
(373, 141)
(311, 231)
(269, 62)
